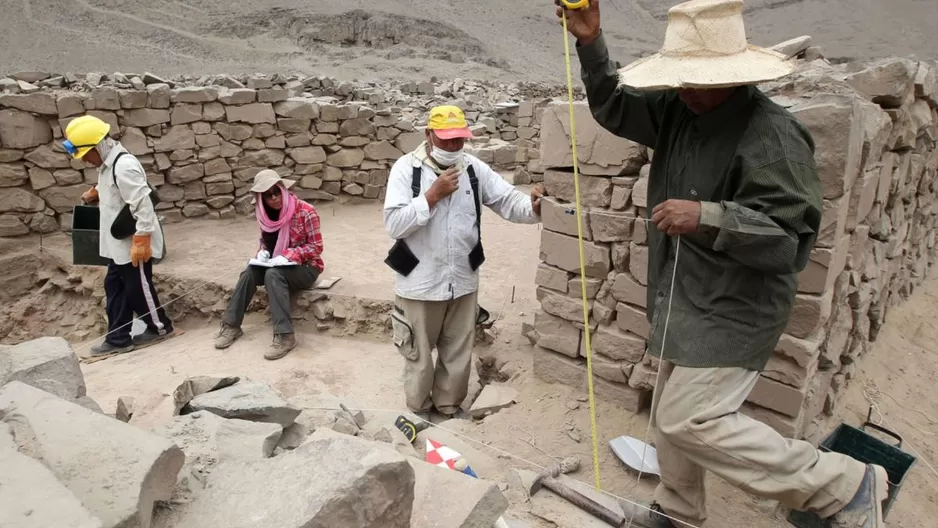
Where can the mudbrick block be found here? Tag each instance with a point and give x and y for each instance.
(616, 344)
(809, 313)
(778, 397)
(595, 191)
(557, 334)
(561, 218)
(802, 351)
(628, 290)
(824, 267)
(552, 278)
(117, 470)
(563, 251)
(556, 368)
(558, 305)
(632, 319)
(838, 134)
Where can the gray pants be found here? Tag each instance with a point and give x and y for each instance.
(279, 283)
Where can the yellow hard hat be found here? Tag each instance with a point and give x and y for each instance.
(448, 122)
(83, 133)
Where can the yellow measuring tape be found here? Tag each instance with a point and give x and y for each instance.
(579, 236)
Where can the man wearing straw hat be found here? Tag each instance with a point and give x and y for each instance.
(736, 199)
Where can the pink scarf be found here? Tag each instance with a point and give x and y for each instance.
(282, 224)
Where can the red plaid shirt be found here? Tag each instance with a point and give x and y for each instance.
(305, 245)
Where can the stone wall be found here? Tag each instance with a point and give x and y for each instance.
(875, 128)
(202, 141)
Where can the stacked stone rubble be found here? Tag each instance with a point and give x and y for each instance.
(875, 130)
(202, 142)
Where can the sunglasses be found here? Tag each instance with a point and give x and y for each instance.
(272, 193)
(73, 149)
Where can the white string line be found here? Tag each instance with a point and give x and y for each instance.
(508, 454)
(661, 365)
(622, 216)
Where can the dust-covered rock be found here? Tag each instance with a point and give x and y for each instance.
(197, 385)
(345, 482)
(257, 402)
(32, 497)
(494, 397)
(208, 439)
(447, 498)
(389, 434)
(294, 436)
(47, 363)
(115, 469)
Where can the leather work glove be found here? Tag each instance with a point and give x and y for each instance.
(280, 260)
(140, 251)
(90, 196)
(263, 255)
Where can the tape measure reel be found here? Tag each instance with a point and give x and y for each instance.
(575, 4)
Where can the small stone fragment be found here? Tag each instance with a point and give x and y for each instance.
(494, 397)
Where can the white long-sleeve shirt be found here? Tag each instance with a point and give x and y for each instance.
(442, 237)
(131, 189)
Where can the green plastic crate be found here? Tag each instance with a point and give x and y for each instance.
(86, 222)
(868, 449)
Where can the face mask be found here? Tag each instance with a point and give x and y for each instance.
(446, 157)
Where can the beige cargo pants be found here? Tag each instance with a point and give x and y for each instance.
(448, 326)
(698, 428)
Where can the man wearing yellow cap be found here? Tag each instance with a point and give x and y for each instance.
(130, 235)
(433, 212)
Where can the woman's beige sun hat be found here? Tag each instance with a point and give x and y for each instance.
(705, 47)
(266, 179)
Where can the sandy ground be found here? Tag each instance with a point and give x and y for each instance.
(504, 40)
(367, 373)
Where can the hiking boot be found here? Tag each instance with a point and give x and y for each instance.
(650, 516)
(106, 348)
(283, 344)
(227, 336)
(150, 337)
(866, 508)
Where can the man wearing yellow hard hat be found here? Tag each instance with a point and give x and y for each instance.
(433, 212)
(130, 235)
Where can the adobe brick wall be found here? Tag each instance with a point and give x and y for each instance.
(875, 128)
(201, 142)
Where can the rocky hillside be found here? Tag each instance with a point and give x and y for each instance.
(381, 39)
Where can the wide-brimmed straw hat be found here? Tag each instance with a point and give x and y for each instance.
(705, 47)
(267, 178)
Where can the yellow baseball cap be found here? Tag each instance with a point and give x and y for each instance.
(448, 122)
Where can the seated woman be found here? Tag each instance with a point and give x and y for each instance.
(291, 243)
